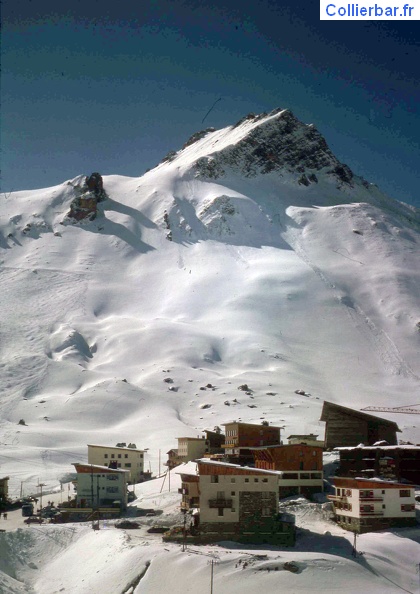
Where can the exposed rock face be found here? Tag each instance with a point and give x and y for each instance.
(279, 144)
(85, 205)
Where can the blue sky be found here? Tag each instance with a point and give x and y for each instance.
(112, 87)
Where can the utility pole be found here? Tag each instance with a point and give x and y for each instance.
(40, 486)
(184, 511)
(211, 577)
(159, 462)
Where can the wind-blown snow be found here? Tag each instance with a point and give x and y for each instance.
(228, 279)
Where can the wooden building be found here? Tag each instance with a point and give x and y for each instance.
(240, 437)
(4, 491)
(301, 466)
(348, 427)
(397, 463)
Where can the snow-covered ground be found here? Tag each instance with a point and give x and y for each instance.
(237, 278)
(73, 558)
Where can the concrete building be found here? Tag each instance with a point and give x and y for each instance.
(395, 463)
(191, 448)
(100, 486)
(364, 505)
(310, 439)
(347, 427)
(301, 466)
(242, 504)
(125, 457)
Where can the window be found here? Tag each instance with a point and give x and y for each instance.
(232, 493)
(125, 455)
(247, 480)
(220, 495)
(266, 512)
(338, 491)
(290, 475)
(111, 477)
(119, 465)
(383, 506)
(407, 507)
(105, 455)
(233, 509)
(127, 464)
(265, 480)
(112, 489)
(112, 455)
(220, 511)
(405, 493)
(233, 480)
(214, 478)
(265, 495)
(119, 455)
(255, 480)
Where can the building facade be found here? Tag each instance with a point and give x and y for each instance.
(191, 448)
(127, 458)
(100, 486)
(395, 463)
(347, 427)
(301, 467)
(364, 505)
(242, 504)
(240, 437)
(310, 439)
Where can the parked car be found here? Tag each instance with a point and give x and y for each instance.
(34, 520)
(127, 524)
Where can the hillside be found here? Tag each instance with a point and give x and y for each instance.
(252, 255)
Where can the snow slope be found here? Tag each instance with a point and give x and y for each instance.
(249, 256)
(231, 262)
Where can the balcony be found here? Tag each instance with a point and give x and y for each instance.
(371, 499)
(338, 498)
(220, 503)
(371, 513)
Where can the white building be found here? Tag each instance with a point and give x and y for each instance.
(364, 505)
(127, 458)
(191, 448)
(100, 486)
(241, 503)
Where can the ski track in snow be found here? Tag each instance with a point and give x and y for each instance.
(386, 349)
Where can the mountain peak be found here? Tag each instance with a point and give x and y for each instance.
(261, 144)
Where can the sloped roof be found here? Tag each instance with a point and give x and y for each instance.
(330, 407)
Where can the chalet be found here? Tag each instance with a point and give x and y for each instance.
(4, 491)
(364, 505)
(100, 486)
(240, 437)
(348, 427)
(390, 462)
(310, 439)
(173, 459)
(189, 490)
(301, 466)
(121, 456)
(241, 504)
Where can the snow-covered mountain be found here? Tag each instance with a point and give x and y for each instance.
(251, 255)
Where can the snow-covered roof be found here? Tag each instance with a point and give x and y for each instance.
(93, 445)
(238, 467)
(187, 468)
(382, 447)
